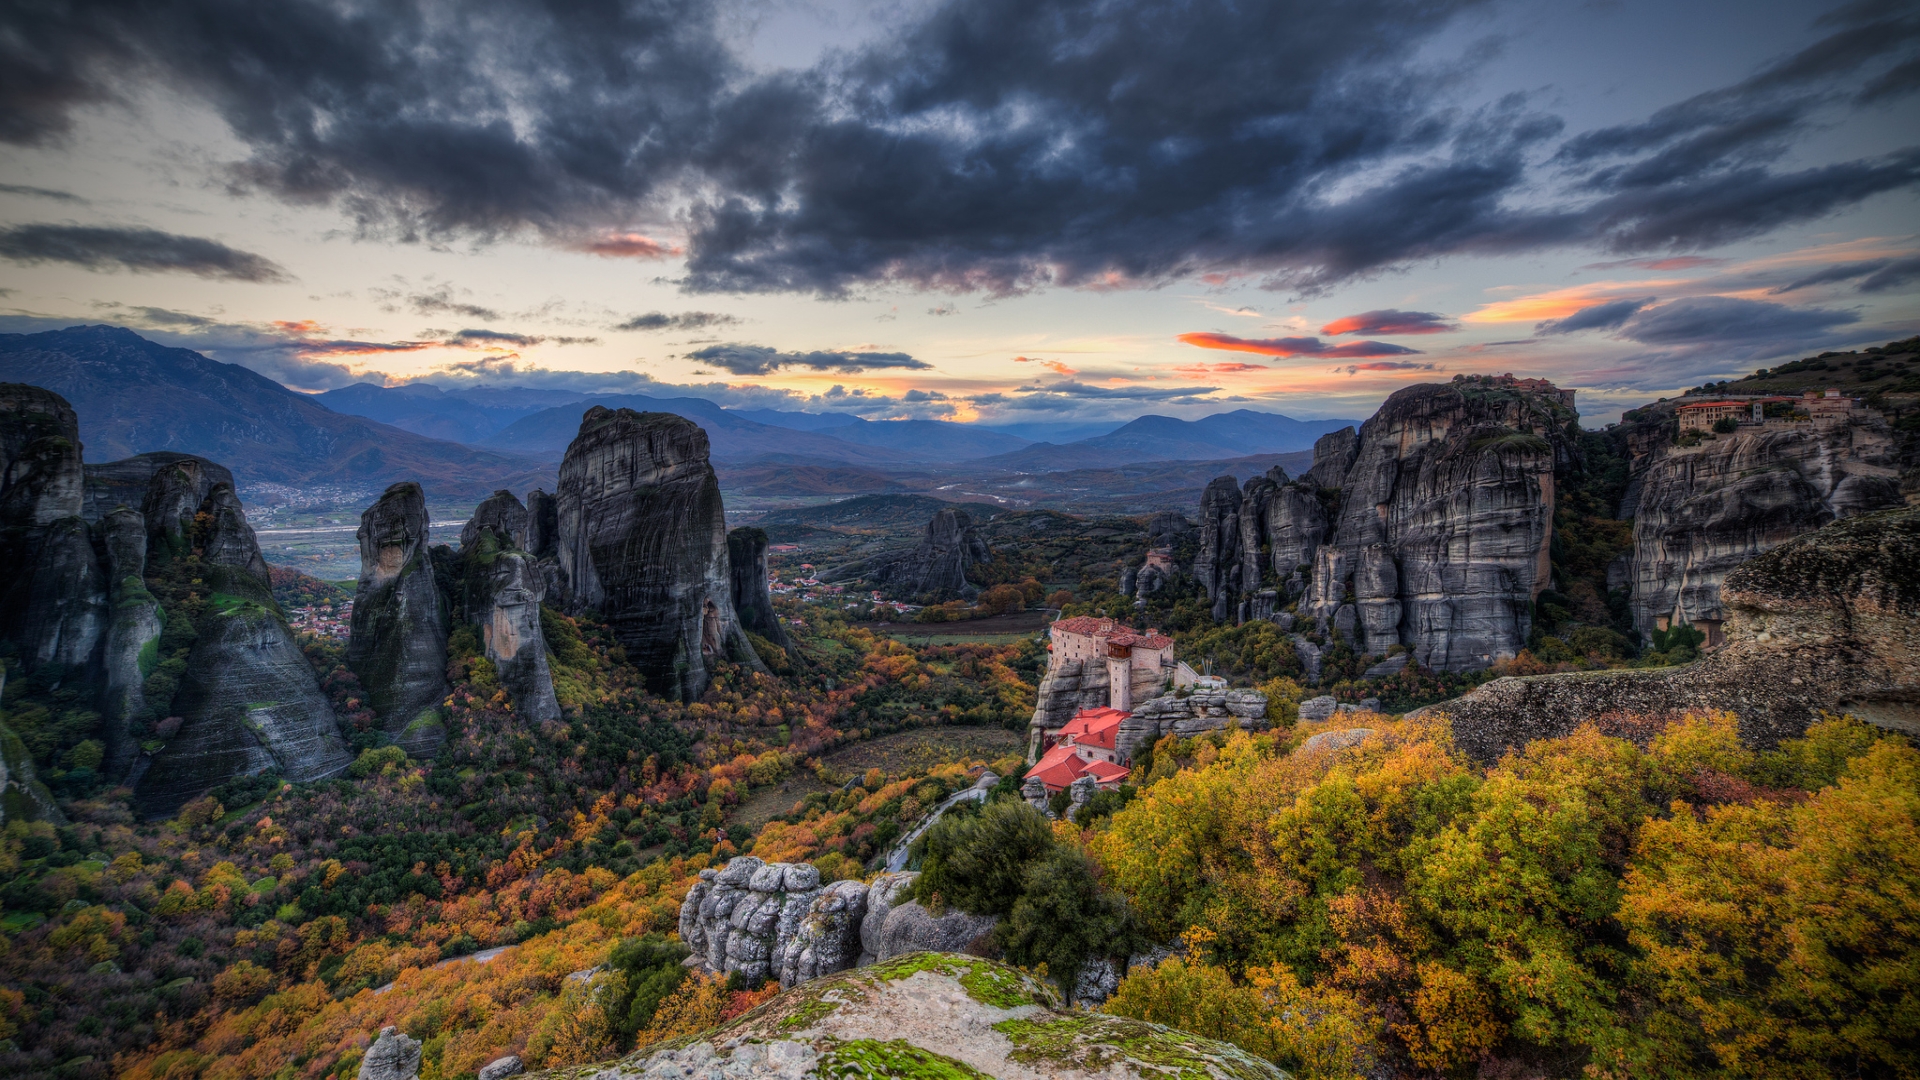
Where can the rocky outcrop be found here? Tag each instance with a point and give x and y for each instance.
(127, 481)
(1196, 713)
(642, 540)
(543, 524)
(937, 1015)
(773, 920)
(828, 939)
(1333, 455)
(1218, 564)
(501, 588)
(504, 597)
(53, 602)
(133, 633)
(22, 796)
(502, 513)
(1440, 540)
(936, 570)
(1699, 511)
(393, 1056)
(249, 700)
(1828, 621)
(398, 645)
(752, 598)
(746, 917)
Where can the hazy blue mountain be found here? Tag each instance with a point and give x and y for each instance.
(466, 414)
(933, 440)
(730, 436)
(798, 421)
(1165, 438)
(1054, 433)
(135, 395)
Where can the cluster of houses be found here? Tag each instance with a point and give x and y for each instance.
(1831, 407)
(328, 621)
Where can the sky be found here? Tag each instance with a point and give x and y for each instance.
(996, 211)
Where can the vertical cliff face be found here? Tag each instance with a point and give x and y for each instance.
(53, 601)
(752, 599)
(133, 631)
(1218, 564)
(937, 569)
(1445, 520)
(502, 513)
(401, 619)
(249, 701)
(642, 539)
(501, 589)
(1441, 533)
(1699, 511)
(543, 524)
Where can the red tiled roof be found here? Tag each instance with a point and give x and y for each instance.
(1090, 626)
(1059, 767)
(1714, 404)
(1141, 641)
(1094, 727)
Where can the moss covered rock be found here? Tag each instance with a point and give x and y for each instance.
(939, 1016)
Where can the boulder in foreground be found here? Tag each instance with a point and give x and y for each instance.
(931, 1015)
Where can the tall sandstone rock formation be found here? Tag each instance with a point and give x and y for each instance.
(752, 598)
(401, 619)
(53, 603)
(1699, 511)
(501, 590)
(937, 568)
(1439, 540)
(1826, 622)
(642, 539)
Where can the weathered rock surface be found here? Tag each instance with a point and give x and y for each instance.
(127, 656)
(1333, 455)
(933, 1014)
(126, 482)
(543, 524)
(507, 608)
(883, 893)
(501, 589)
(642, 539)
(175, 493)
(752, 598)
(501, 1068)
(1700, 511)
(1201, 711)
(911, 928)
(22, 796)
(393, 1056)
(937, 569)
(1830, 620)
(1218, 564)
(746, 917)
(501, 512)
(53, 600)
(1329, 741)
(828, 939)
(401, 619)
(249, 700)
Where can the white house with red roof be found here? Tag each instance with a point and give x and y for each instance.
(1085, 746)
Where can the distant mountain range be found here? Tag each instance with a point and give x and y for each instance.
(134, 395)
(1240, 433)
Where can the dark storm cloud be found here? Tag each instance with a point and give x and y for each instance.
(1605, 316)
(1295, 346)
(106, 248)
(1390, 321)
(40, 193)
(1875, 275)
(685, 320)
(992, 145)
(761, 360)
(1731, 322)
